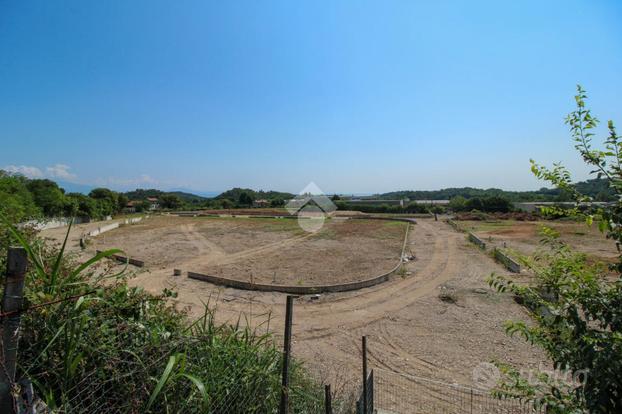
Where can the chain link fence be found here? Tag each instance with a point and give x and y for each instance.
(400, 393)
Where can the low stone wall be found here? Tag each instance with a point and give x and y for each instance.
(308, 290)
(103, 229)
(403, 219)
(53, 223)
(112, 226)
(477, 241)
(132, 220)
(123, 259)
(506, 260)
(454, 225)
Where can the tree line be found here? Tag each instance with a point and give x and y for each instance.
(23, 198)
(597, 188)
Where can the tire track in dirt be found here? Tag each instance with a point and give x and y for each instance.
(376, 303)
(205, 246)
(208, 250)
(266, 248)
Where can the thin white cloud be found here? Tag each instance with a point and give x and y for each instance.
(60, 171)
(25, 170)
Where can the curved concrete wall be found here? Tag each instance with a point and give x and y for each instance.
(308, 290)
(477, 241)
(507, 261)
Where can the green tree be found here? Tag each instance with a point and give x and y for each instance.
(577, 309)
(277, 202)
(107, 200)
(170, 201)
(245, 199)
(457, 203)
(474, 203)
(226, 203)
(496, 204)
(122, 201)
(47, 196)
(85, 206)
(16, 202)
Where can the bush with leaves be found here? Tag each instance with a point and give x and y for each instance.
(576, 304)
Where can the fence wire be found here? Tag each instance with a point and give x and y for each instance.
(399, 393)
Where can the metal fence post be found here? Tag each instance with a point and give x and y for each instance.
(471, 400)
(328, 404)
(287, 349)
(17, 260)
(364, 374)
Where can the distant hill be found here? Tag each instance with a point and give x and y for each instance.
(141, 194)
(595, 188)
(234, 194)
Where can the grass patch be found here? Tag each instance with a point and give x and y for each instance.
(486, 226)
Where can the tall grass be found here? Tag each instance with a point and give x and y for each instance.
(114, 348)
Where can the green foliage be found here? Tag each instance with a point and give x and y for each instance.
(235, 193)
(493, 204)
(84, 206)
(16, 201)
(410, 208)
(88, 339)
(47, 196)
(277, 202)
(245, 199)
(170, 201)
(597, 188)
(577, 310)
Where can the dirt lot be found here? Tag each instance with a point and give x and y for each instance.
(263, 250)
(523, 237)
(410, 329)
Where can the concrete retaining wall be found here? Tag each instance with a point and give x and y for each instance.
(307, 290)
(507, 261)
(454, 225)
(477, 241)
(52, 223)
(112, 226)
(403, 219)
(123, 259)
(132, 220)
(103, 229)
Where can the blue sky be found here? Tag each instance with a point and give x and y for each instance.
(355, 96)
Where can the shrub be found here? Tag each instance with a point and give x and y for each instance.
(576, 307)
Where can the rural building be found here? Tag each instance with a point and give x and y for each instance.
(154, 203)
(130, 207)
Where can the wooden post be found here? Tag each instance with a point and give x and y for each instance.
(328, 404)
(287, 349)
(17, 260)
(364, 374)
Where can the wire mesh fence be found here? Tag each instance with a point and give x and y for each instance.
(399, 393)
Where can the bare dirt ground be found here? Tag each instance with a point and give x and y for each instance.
(410, 329)
(523, 237)
(342, 251)
(263, 250)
